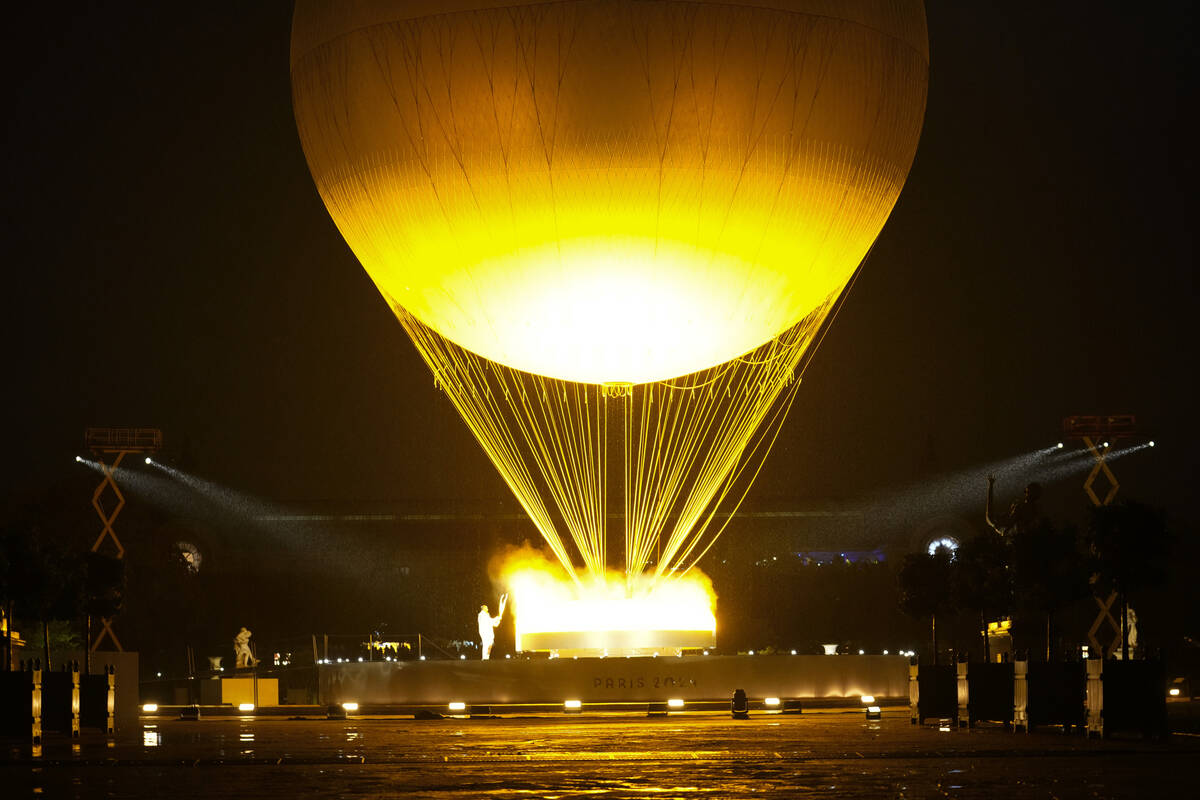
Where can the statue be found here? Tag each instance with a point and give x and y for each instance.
(487, 625)
(1131, 635)
(1021, 514)
(241, 649)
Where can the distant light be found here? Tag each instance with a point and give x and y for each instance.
(675, 702)
(751, 652)
(460, 658)
(573, 705)
(770, 701)
(79, 459)
(159, 674)
(1174, 692)
(245, 706)
(861, 652)
(885, 652)
(867, 699)
(350, 706)
(793, 652)
(422, 658)
(457, 706)
(1151, 443)
(506, 655)
(150, 708)
(705, 652)
(1059, 445)
(1105, 444)
(149, 460)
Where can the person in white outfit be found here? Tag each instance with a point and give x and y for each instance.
(487, 627)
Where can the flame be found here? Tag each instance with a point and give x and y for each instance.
(547, 601)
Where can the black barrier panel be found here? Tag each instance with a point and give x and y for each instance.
(60, 702)
(1057, 691)
(1135, 697)
(938, 692)
(991, 692)
(20, 704)
(97, 706)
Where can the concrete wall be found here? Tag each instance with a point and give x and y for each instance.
(613, 679)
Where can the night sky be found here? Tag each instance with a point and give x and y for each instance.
(169, 263)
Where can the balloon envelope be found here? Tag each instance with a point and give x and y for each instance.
(608, 190)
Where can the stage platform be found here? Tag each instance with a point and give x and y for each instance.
(611, 680)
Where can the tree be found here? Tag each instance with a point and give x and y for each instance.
(1129, 546)
(925, 588)
(982, 580)
(1049, 572)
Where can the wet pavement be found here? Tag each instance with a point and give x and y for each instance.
(828, 754)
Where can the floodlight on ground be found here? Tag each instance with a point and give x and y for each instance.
(867, 699)
(245, 706)
(771, 702)
(739, 706)
(150, 708)
(572, 706)
(675, 702)
(350, 706)
(1174, 692)
(874, 712)
(457, 706)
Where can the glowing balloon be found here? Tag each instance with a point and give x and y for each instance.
(608, 190)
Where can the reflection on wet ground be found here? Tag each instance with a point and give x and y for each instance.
(827, 754)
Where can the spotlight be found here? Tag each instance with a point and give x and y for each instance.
(350, 706)
(1059, 446)
(245, 706)
(1104, 444)
(1151, 443)
(457, 706)
(1173, 691)
(867, 699)
(150, 708)
(572, 706)
(149, 460)
(79, 459)
(739, 707)
(772, 702)
(675, 703)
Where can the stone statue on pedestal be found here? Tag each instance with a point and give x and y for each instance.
(1022, 514)
(241, 649)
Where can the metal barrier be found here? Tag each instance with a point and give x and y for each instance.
(97, 707)
(985, 691)
(21, 702)
(60, 699)
(1126, 696)
(932, 692)
(1048, 693)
